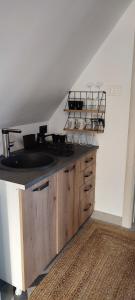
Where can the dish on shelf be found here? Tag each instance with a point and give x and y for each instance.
(75, 105)
(79, 105)
(71, 104)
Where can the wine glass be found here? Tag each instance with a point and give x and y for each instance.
(90, 95)
(97, 93)
(98, 85)
(90, 85)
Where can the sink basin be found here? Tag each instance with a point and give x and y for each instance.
(28, 160)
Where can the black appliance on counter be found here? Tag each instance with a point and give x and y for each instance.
(56, 145)
(29, 141)
(54, 138)
(41, 134)
(57, 138)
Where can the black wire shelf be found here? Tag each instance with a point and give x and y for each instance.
(86, 111)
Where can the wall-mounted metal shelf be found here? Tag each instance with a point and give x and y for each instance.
(84, 130)
(86, 111)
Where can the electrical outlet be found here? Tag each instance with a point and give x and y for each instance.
(113, 90)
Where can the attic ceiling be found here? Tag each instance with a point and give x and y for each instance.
(44, 46)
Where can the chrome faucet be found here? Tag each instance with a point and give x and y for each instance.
(6, 140)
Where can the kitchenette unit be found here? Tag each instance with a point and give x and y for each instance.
(42, 208)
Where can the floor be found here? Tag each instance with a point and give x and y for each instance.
(133, 227)
(7, 292)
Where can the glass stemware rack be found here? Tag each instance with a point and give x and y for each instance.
(86, 111)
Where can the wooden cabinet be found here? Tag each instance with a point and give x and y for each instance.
(43, 218)
(68, 204)
(38, 223)
(52, 211)
(87, 174)
(87, 196)
(87, 186)
(88, 160)
(76, 197)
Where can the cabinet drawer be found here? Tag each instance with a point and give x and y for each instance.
(87, 195)
(87, 201)
(87, 174)
(88, 160)
(89, 186)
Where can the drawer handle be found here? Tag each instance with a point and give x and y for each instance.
(88, 188)
(67, 171)
(72, 168)
(88, 175)
(42, 187)
(89, 160)
(88, 207)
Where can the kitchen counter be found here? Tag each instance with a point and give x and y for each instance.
(28, 177)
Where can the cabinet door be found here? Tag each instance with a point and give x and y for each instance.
(38, 223)
(68, 204)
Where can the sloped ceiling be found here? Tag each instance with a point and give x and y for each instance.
(44, 46)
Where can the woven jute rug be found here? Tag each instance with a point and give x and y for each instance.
(98, 264)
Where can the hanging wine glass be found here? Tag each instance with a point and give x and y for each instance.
(90, 95)
(90, 85)
(98, 86)
(97, 97)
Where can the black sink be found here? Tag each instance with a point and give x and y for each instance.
(28, 160)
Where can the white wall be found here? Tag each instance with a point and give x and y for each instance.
(129, 195)
(112, 65)
(44, 46)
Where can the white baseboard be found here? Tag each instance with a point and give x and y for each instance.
(99, 215)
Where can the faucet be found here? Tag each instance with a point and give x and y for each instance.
(6, 141)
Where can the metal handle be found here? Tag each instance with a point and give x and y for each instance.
(88, 207)
(88, 175)
(69, 170)
(7, 130)
(73, 167)
(88, 189)
(42, 187)
(88, 160)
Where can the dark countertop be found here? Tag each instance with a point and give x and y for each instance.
(28, 177)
